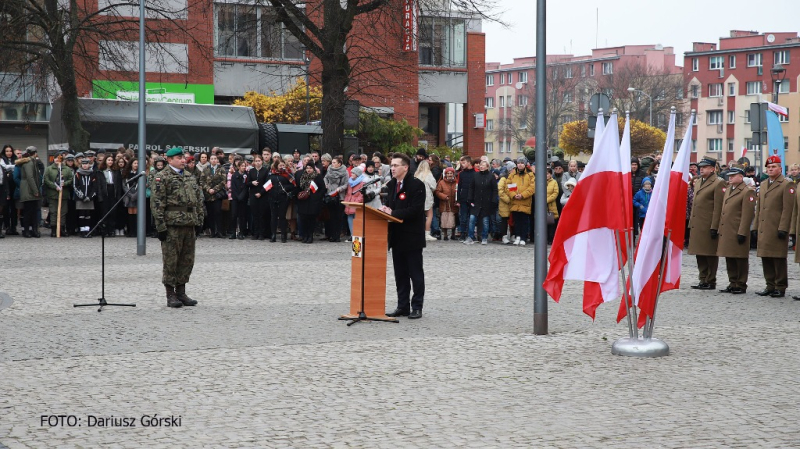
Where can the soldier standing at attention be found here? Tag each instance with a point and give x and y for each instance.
(738, 210)
(773, 217)
(709, 191)
(177, 205)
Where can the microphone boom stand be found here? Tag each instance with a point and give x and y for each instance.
(102, 299)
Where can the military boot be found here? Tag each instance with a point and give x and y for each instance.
(180, 292)
(172, 299)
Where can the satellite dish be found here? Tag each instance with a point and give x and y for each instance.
(520, 84)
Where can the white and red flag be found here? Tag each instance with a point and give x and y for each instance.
(778, 109)
(512, 187)
(584, 247)
(268, 186)
(313, 187)
(625, 159)
(666, 216)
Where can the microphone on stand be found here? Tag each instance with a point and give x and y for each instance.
(138, 175)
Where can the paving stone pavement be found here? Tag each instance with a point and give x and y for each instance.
(263, 362)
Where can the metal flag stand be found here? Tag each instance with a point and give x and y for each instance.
(647, 346)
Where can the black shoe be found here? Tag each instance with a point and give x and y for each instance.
(796, 298)
(398, 312)
(700, 286)
(12, 232)
(232, 237)
(283, 238)
(1, 234)
(26, 234)
(241, 236)
(36, 234)
(53, 232)
(255, 237)
(415, 314)
(273, 239)
(726, 290)
(777, 294)
(765, 292)
(737, 291)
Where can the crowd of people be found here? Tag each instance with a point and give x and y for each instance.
(268, 196)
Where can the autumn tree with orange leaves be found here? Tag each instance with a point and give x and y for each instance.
(645, 139)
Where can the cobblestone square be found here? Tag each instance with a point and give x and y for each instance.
(262, 361)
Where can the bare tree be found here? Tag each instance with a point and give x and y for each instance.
(62, 44)
(666, 90)
(357, 44)
(564, 91)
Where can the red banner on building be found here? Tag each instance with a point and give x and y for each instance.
(409, 25)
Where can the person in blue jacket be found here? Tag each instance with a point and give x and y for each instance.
(642, 199)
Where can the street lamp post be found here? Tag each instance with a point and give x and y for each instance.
(307, 60)
(778, 74)
(632, 90)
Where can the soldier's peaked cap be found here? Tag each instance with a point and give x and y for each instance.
(707, 162)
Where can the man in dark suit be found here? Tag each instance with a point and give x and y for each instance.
(406, 200)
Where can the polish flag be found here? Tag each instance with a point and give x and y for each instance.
(666, 215)
(268, 186)
(744, 151)
(313, 187)
(627, 188)
(512, 187)
(778, 109)
(335, 193)
(584, 247)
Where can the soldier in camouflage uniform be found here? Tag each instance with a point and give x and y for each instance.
(177, 205)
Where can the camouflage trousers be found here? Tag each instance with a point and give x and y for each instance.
(177, 253)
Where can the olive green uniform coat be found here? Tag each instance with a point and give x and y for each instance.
(738, 210)
(177, 205)
(706, 210)
(774, 213)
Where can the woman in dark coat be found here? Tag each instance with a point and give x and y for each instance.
(239, 194)
(481, 197)
(256, 179)
(113, 193)
(283, 189)
(308, 209)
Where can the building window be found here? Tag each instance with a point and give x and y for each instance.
(568, 72)
(555, 72)
(782, 118)
(695, 64)
(502, 78)
(715, 90)
(502, 103)
(608, 91)
(694, 145)
(714, 117)
(714, 145)
(678, 119)
(509, 101)
(747, 116)
(488, 147)
(490, 80)
(753, 87)
(523, 77)
(489, 125)
(522, 100)
(731, 117)
(781, 87)
(716, 62)
(731, 89)
(508, 146)
(782, 57)
(591, 69)
(441, 41)
(490, 102)
(608, 68)
(695, 90)
(568, 96)
(523, 124)
(661, 120)
(754, 60)
(732, 61)
(730, 145)
(583, 71)
(253, 32)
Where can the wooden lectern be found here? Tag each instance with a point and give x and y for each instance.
(368, 267)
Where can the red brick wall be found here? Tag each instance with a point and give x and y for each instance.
(476, 87)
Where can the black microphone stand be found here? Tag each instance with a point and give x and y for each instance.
(102, 299)
(362, 316)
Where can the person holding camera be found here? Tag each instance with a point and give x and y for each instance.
(280, 192)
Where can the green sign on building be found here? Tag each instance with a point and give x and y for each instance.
(160, 92)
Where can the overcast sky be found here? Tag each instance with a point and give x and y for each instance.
(572, 26)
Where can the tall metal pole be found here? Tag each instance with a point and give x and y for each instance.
(308, 98)
(140, 197)
(540, 212)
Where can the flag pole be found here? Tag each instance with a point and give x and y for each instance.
(648, 331)
(60, 195)
(632, 304)
(625, 295)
